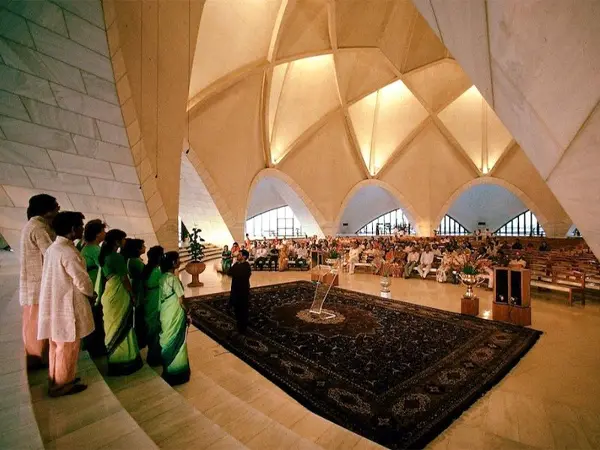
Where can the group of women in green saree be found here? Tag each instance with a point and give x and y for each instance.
(138, 305)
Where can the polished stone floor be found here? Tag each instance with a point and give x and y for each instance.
(551, 399)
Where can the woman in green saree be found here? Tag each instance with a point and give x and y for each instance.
(151, 277)
(132, 252)
(93, 235)
(117, 304)
(173, 323)
(226, 260)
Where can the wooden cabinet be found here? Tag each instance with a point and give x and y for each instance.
(512, 295)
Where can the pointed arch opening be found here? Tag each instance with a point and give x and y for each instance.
(277, 207)
(373, 204)
(489, 202)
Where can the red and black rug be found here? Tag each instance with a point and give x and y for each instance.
(393, 372)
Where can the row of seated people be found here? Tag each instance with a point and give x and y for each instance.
(276, 256)
(407, 256)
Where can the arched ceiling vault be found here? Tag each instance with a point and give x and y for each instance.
(537, 65)
(365, 87)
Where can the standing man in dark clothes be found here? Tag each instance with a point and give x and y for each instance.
(240, 289)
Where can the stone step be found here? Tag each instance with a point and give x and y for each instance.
(92, 419)
(251, 408)
(165, 416)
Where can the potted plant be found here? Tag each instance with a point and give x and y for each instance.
(468, 265)
(195, 267)
(332, 257)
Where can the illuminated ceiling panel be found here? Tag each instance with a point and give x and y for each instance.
(232, 35)
(362, 115)
(398, 113)
(309, 92)
(361, 72)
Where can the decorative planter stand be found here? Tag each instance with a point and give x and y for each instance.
(195, 269)
(469, 306)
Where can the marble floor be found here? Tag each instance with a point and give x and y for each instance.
(551, 399)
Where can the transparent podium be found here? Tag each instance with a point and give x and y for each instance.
(327, 278)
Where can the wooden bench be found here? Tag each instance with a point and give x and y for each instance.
(564, 282)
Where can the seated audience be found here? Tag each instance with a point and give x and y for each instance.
(226, 259)
(517, 245)
(425, 262)
(301, 255)
(355, 252)
(411, 262)
(283, 256)
(518, 261)
(261, 256)
(544, 247)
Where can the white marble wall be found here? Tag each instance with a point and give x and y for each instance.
(197, 208)
(61, 127)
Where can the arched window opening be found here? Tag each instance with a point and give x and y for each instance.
(525, 224)
(449, 226)
(387, 223)
(276, 223)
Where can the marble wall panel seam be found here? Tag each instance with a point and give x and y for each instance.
(67, 50)
(18, 98)
(37, 96)
(78, 111)
(39, 122)
(28, 21)
(30, 34)
(44, 55)
(82, 18)
(41, 150)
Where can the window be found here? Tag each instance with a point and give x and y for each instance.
(386, 224)
(278, 222)
(525, 224)
(451, 227)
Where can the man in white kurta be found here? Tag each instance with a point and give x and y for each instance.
(426, 261)
(65, 314)
(36, 237)
(354, 257)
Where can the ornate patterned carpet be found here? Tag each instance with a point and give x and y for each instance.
(393, 372)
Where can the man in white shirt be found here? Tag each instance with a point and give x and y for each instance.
(261, 256)
(301, 255)
(354, 257)
(36, 237)
(425, 262)
(518, 262)
(65, 315)
(411, 262)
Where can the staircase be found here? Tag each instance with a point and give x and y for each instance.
(211, 252)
